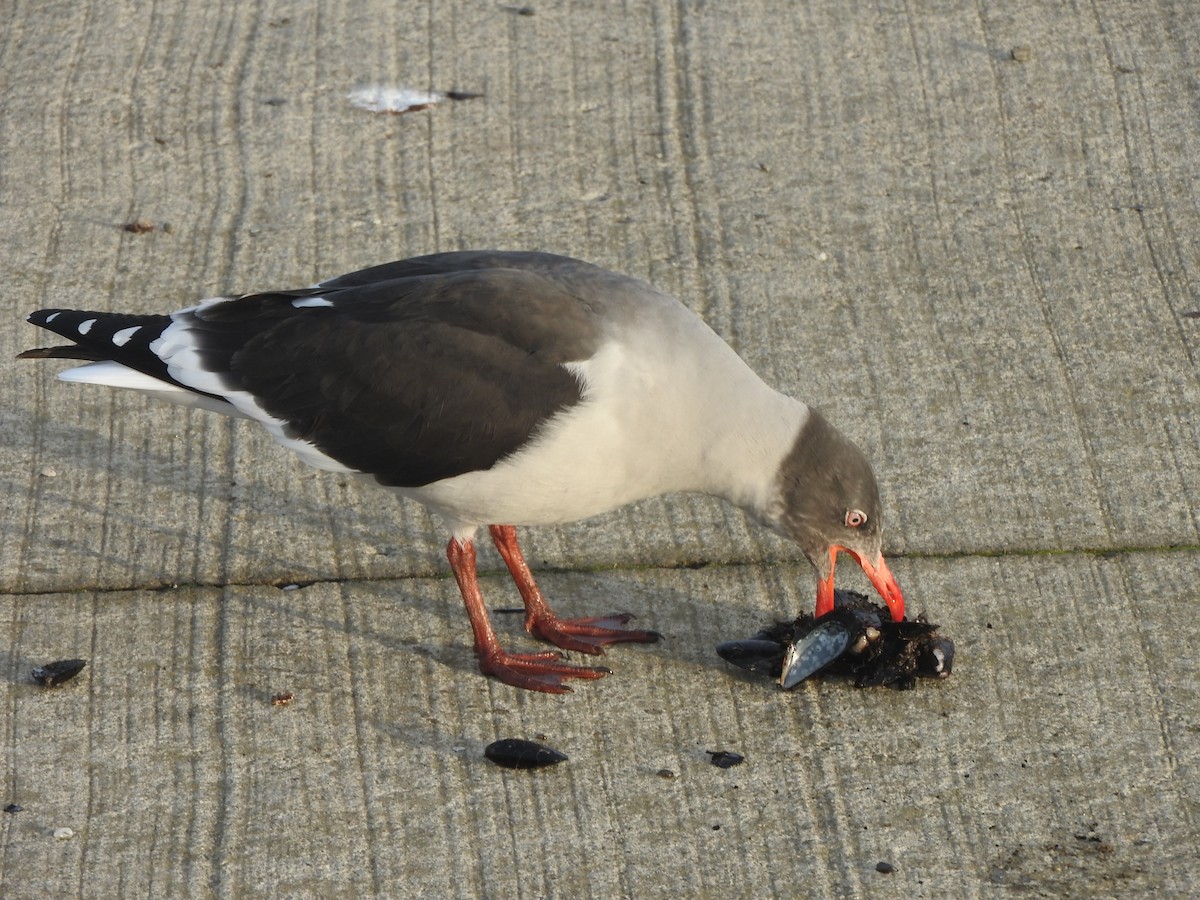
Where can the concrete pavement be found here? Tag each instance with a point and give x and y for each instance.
(981, 263)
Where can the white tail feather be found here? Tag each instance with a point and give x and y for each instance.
(113, 374)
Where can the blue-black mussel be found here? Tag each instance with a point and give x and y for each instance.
(59, 672)
(857, 639)
(517, 753)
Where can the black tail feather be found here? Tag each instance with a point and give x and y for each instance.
(72, 352)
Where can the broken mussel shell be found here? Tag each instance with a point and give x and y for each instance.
(857, 638)
(516, 753)
(58, 672)
(725, 759)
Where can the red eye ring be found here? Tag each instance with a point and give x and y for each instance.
(855, 518)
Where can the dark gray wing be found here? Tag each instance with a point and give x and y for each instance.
(410, 379)
(412, 371)
(562, 269)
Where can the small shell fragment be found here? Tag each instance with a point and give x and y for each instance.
(59, 672)
(515, 753)
(138, 226)
(936, 659)
(378, 98)
(395, 101)
(64, 834)
(725, 759)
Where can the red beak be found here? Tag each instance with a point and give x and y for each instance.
(880, 576)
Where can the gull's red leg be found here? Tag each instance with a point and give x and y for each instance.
(588, 635)
(533, 671)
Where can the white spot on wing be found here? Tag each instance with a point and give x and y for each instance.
(311, 302)
(379, 98)
(86, 326)
(122, 337)
(50, 318)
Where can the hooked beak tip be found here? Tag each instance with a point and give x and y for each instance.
(885, 583)
(881, 577)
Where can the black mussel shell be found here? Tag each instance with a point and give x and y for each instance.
(59, 672)
(754, 655)
(857, 639)
(936, 658)
(825, 644)
(725, 759)
(515, 753)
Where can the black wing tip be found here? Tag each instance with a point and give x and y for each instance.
(99, 336)
(62, 321)
(41, 317)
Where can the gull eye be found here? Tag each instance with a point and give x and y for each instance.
(855, 518)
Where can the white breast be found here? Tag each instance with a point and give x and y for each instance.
(668, 406)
